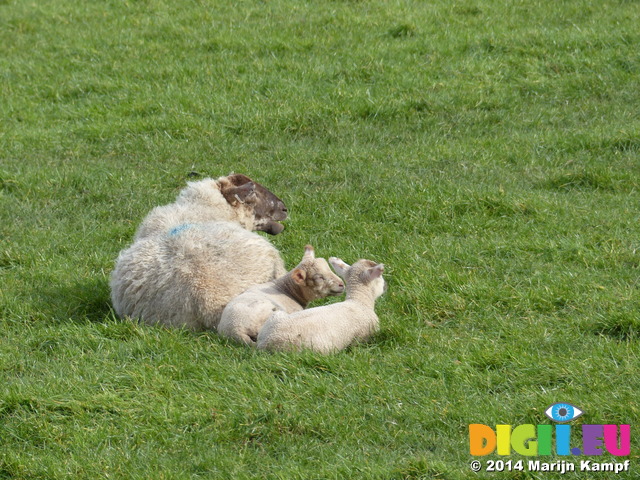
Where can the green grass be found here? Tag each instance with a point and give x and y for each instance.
(487, 152)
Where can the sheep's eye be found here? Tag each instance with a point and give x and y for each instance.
(317, 278)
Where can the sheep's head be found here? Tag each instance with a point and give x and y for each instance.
(241, 192)
(362, 272)
(315, 277)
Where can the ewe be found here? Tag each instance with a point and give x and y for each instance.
(191, 257)
(235, 198)
(330, 328)
(312, 279)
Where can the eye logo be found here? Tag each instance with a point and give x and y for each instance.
(563, 412)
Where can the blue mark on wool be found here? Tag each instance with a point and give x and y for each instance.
(180, 228)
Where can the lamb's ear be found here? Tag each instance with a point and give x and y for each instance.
(244, 193)
(375, 272)
(299, 276)
(309, 253)
(339, 266)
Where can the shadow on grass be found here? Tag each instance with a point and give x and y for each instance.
(88, 300)
(82, 300)
(621, 326)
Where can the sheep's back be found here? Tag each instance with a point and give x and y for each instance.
(186, 276)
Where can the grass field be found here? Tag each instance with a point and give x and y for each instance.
(487, 152)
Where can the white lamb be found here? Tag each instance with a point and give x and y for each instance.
(312, 279)
(191, 257)
(330, 328)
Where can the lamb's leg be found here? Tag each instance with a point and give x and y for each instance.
(247, 339)
(256, 313)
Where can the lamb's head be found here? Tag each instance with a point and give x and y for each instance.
(363, 272)
(315, 278)
(266, 209)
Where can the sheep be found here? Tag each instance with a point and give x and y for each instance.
(312, 279)
(330, 328)
(191, 257)
(235, 198)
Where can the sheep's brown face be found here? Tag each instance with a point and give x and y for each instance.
(267, 209)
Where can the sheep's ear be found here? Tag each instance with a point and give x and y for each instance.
(299, 276)
(375, 272)
(309, 253)
(339, 266)
(238, 179)
(243, 194)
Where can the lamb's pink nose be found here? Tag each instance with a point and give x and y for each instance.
(339, 288)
